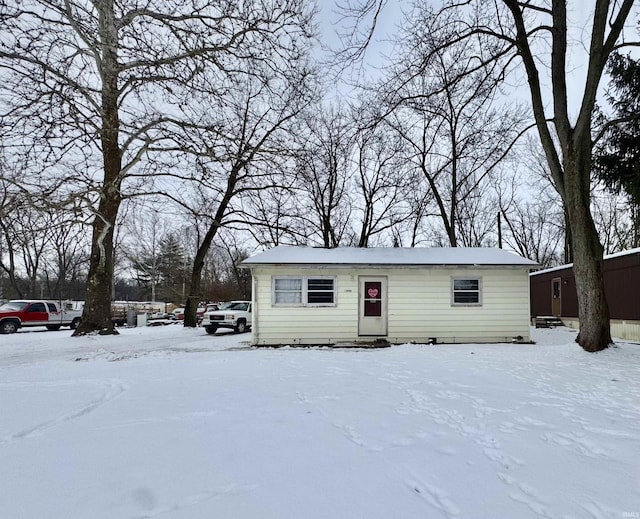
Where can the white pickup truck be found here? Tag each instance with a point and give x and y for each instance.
(36, 312)
(235, 315)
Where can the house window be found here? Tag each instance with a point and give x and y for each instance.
(466, 291)
(287, 291)
(320, 291)
(304, 290)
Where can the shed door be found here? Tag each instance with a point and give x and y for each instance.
(556, 297)
(372, 318)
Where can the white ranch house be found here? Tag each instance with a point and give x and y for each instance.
(305, 295)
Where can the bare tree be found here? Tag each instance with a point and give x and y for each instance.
(236, 253)
(65, 265)
(145, 231)
(382, 184)
(455, 134)
(534, 225)
(10, 203)
(613, 218)
(30, 243)
(350, 185)
(476, 223)
(420, 202)
(537, 36)
(275, 217)
(324, 173)
(569, 146)
(236, 145)
(98, 83)
(41, 245)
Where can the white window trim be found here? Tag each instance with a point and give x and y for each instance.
(480, 290)
(304, 295)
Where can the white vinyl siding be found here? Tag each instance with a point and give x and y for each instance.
(419, 306)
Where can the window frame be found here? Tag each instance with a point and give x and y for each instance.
(304, 291)
(454, 291)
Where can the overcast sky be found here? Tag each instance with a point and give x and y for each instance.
(380, 50)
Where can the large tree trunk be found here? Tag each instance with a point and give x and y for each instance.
(194, 297)
(96, 316)
(571, 169)
(191, 308)
(593, 311)
(587, 251)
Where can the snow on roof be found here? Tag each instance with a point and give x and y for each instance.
(379, 256)
(570, 265)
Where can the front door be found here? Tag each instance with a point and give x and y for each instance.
(372, 309)
(556, 297)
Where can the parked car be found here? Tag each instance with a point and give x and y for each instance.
(34, 312)
(236, 315)
(200, 311)
(209, 307)
(161, 319)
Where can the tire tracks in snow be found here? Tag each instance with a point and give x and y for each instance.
(146, 500)
(113, 389)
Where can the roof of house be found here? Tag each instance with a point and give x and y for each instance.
(388, 256)
(605, 257)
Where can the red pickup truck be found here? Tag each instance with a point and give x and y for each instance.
(21, 313)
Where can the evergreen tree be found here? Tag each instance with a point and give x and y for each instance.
(174, 267)
(160, 273)
(618, 158)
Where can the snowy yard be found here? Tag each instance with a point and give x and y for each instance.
(173, 423)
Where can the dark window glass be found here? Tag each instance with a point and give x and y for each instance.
(372, 308)
(466, 297)
(320, 284)
(320, 291)
(37, 307)
(466, 291)
(465, 284)
(238, 306)
(372, 299)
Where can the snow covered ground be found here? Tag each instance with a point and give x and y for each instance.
(172, 423)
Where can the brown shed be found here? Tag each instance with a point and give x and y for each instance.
(553, 293)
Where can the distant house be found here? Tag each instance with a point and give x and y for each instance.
(305, 295)
(553, 293)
